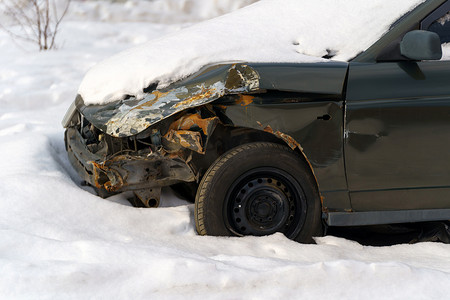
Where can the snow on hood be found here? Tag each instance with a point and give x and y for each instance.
(267, 31)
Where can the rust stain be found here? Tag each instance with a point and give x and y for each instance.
(187, 139)
(292, 143)
(285, 137)
(157, 95)
(288, 139)
(108, 185)
(205, 93)
(244, 100)
(193, 121)
(175, 155)
(187, 131)
(96, 169)
(324, 209)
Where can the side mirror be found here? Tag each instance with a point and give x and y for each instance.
(421, 45)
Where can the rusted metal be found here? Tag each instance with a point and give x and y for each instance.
(285, 137)
(293, 144)
(128, 172)
(245, 100)
(194, 121)
(157, 95)
(134, 170)
(149, 197)
(187, 139)
(324, 208)
(115, 180)
(97, 168)
(205, 93)
(187, 131)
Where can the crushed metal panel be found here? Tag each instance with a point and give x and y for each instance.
(186, 131)
(137, 172)
(131, 116)
(193, 122)
(187, 139)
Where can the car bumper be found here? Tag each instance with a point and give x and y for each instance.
(123, 172)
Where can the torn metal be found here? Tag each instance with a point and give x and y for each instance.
(285, 137)
(131, 116)
(189, 130)
(127, 166)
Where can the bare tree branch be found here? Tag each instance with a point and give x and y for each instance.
(37, 21)
(58, 21)
(24, 38)
(47, 23)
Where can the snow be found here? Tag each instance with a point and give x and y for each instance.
(159, 11)
(60, 241)
(266, 31)
(446, 51)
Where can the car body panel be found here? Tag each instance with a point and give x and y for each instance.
(397, 135)
(325, 78)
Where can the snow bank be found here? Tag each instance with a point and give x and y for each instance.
(266, 31)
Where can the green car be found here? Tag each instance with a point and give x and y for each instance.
(287, 147)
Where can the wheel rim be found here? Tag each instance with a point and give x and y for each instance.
(264, 201)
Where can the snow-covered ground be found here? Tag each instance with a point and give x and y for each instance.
(60, 241)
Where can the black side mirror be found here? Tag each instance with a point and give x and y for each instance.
(421, 45)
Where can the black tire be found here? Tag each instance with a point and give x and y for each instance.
(259, 189)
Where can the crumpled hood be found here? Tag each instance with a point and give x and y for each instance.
(131, 116)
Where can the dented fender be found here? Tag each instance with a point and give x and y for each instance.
(313, 123)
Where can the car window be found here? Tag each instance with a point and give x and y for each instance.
(442, 27)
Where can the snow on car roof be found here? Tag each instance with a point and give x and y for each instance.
(266, 31)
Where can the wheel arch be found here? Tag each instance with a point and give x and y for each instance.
(227, 137)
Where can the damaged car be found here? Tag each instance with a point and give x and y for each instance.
(287, 147)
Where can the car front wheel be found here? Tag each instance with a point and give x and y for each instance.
(259, 189)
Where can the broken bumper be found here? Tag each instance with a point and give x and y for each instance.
(125, 172)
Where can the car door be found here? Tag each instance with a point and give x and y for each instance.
(397, 130)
